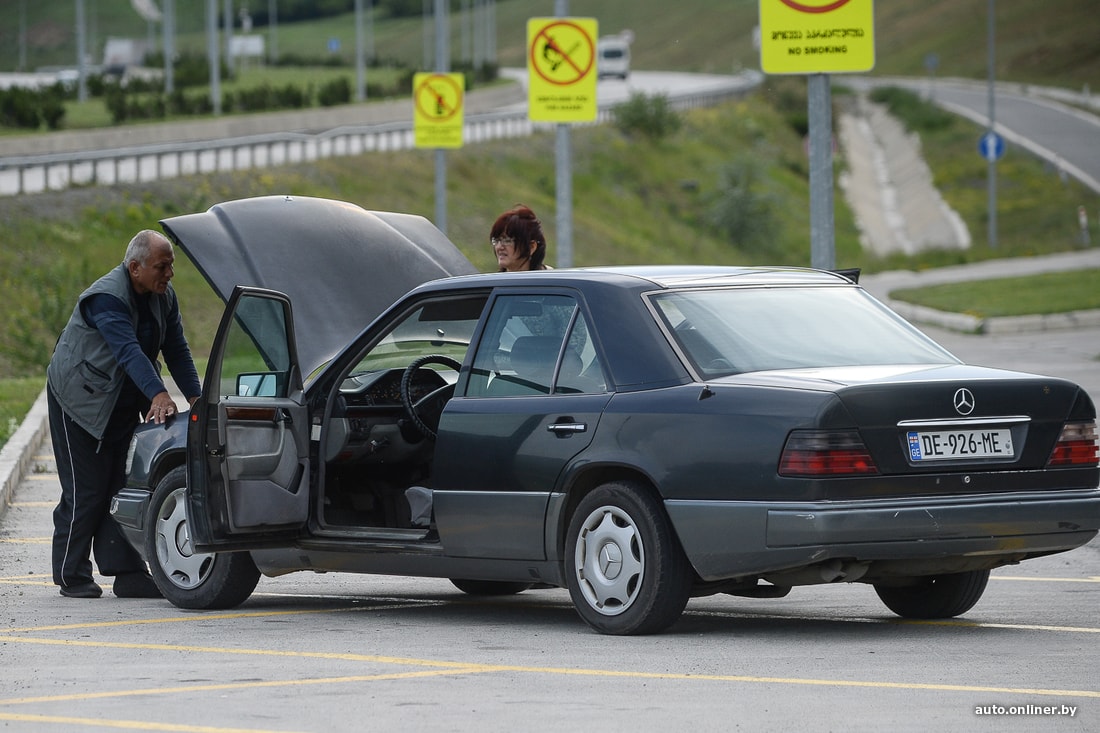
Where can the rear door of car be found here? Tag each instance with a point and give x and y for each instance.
(529, 404)
(248, 436)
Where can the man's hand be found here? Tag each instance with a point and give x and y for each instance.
(163, 407)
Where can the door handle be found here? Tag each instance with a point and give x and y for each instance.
(567, 428)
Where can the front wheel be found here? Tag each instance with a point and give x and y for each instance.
(625, 569)
(187, 578)
(935, 596)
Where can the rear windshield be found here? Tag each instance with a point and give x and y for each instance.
(736, 330)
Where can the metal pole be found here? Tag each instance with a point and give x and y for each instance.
(442, 65)
(822, 229)
(360, 50)
(81, 52)
(212, 54)
(564, 176)
(273, 30)
(427, 8)
(992, 166)
(168, 27)
(22, 35)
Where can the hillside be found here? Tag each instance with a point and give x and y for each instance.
(1050, 43)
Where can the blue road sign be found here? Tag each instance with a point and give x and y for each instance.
(991, 146)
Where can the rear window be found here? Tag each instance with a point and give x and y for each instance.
(736, 330)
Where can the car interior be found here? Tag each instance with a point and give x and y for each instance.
(380, 436)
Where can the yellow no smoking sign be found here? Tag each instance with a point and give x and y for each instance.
(437, 110)
(816, 36)
(561, 69)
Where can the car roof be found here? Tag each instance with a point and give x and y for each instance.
(340, 264)
(656, 277)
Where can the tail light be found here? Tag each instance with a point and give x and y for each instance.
(825, 453)
(1076, 445)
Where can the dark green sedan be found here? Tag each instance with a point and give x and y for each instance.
(639, 435)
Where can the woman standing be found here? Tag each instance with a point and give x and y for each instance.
(518, 241)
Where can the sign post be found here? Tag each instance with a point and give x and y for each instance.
(561, 88)
(818, 37)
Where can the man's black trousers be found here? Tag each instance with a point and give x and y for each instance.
(91, 473)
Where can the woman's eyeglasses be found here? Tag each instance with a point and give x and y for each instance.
(502, 241)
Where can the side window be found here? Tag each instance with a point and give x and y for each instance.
(256, 362)
(580, 366)
(534, 344)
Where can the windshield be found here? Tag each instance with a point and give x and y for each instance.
(736, 330)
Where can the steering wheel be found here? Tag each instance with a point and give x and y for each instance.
(425, 412)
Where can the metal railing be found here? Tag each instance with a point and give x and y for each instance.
(58, 171)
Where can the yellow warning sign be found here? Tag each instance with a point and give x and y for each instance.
(561, 69)
(437, 110)
(816, 36)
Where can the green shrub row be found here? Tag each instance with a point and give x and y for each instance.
(29, 109)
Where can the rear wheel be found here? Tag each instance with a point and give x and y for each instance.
(187, 578)
(935, 596)
(489, 587)
(625, 569)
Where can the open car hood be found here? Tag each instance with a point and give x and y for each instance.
(340, 265)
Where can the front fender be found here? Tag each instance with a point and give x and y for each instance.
(155, 450)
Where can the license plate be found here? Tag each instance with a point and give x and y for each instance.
(955, 444)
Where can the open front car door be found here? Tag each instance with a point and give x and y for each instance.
(248, 439)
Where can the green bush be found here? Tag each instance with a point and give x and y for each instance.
(917, 114)
(337, 91)
(649, 116)
(743, 206)
(21, 108)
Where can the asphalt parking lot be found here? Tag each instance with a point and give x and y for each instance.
(330, 653)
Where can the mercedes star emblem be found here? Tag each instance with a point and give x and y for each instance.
(964, 401)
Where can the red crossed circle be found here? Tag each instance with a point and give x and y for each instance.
(804, 8)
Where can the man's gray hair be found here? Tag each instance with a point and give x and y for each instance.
(141, 246)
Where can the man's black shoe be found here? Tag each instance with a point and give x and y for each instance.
(82, 590)
(136, 585)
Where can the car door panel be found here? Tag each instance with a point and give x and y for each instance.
(497, 462)
(248, 454)
(265, 463)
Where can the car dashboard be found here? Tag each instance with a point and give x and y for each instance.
(368, 422)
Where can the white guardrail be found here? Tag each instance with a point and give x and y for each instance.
(140, 163)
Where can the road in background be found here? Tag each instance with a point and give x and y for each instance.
(1051, 123)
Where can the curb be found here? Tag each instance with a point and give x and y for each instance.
(964, 323)
(18, 453)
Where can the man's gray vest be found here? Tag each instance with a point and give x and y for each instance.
(83, 373)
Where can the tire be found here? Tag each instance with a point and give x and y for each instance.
(188, 579)
(935, 596)
(625, 569)
(490, 587)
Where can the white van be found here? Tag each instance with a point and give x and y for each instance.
(613, 57)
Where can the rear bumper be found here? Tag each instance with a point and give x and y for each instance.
(738, 539)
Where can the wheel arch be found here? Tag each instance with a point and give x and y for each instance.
(165, 463)
(583, 482)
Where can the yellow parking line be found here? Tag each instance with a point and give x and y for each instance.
(1092, 579)
(222, 616)
(446, 667)
(128, 724)
(222, 687)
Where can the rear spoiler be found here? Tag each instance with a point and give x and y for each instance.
(851, 273)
